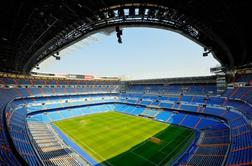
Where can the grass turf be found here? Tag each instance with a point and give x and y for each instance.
(114, 138)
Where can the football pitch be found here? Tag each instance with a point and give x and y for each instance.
(118, 139)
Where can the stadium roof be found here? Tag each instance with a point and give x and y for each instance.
(30, 32)
(178, 80)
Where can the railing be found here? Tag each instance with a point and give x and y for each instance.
(33, 143)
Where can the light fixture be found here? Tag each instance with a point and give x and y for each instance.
(207, 51)
(56, 56)
(119, 34)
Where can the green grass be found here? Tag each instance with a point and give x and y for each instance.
(117, 139)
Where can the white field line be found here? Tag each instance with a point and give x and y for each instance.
(143, 158)
(172, 151)
(95, 152)
(166, 144)
(133, 149)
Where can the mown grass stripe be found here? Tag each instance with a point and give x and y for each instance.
(114, 138)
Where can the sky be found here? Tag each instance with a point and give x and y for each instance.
(144, 54)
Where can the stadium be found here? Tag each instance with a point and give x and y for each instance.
(74, 119)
